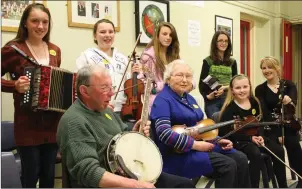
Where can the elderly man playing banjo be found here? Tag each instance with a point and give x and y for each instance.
(97, 149)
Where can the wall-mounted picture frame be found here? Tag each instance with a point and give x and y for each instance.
(225, 24)
(148, 14)
(84, 14)
(11, 13)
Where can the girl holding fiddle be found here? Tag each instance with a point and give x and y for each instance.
(241, 102)
(107, 55)
(270, 94)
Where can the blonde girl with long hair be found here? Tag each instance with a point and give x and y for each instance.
(240, 101)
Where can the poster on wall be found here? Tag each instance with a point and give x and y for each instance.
(84, 14)
(224, 24)
(11, 13)
(148, 15)
(194, 33)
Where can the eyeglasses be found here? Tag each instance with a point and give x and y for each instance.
(105, 89)
(222, 41)
(181, 76)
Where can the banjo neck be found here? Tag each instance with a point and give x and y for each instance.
(145, 109)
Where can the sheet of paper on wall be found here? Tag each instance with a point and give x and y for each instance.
(194, 33)
(194, 3)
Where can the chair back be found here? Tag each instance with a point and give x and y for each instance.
(7, 136)
(10, 175)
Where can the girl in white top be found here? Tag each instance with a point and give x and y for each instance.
(105, 54)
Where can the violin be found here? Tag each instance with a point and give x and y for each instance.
(134, 88)
(207, 129)
(204, 130)
(290, 118)
(132, 108)
(252, 125)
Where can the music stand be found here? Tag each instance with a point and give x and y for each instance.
(281, 88)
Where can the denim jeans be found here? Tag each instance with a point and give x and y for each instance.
(212, 106)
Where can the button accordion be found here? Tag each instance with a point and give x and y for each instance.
(51, 89)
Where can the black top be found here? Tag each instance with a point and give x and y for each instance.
(234, 110)
(205, 89)
(270, 101)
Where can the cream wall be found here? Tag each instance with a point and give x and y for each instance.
(292, 10)
(263, 14)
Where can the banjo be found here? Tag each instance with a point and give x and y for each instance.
(132, 154)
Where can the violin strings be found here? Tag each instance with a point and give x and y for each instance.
(128, 88)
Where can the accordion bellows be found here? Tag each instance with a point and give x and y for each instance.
(51, 88)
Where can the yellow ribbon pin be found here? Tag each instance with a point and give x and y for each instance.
(108, 116)
(195, 106)
(52, 52)
(253, 111)
(105, 61)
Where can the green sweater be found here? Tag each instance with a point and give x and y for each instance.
(83, 136)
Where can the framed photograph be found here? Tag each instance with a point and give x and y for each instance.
(225, 24)
(11, 13)
(84, 14)
(148, 14)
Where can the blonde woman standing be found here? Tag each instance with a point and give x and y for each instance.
(270, 95)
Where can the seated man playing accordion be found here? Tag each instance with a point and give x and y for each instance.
(86, 129)
(182, 154)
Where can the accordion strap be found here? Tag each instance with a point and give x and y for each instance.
(25, 55)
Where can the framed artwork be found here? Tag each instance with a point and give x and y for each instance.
(84, 14)
(225, 24)
(11, 13)
(148, 14)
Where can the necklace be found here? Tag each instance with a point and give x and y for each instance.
(274, 87)
(44, 59)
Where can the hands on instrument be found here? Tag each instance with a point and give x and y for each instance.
(22, 84)
(281, 140)
(136, 68)
(225, 144)
(202, 146)
(110, 180)
(258, 140)
(140, 184)
(146, 128)
(286, 99)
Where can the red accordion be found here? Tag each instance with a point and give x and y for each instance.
(51, 88)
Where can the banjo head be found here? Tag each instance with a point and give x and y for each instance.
(140, 155)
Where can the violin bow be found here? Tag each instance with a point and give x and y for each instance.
(118, 89)
(262, 144)
(237, 129)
